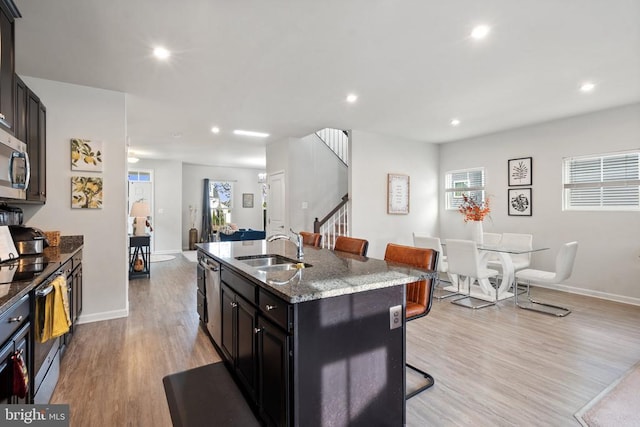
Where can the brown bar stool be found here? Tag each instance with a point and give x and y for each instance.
(311, 239)
(419, 294)
(351, 245)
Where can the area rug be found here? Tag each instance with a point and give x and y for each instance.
(160, 258)
(191, 255)
(617, 405)
(206, 396)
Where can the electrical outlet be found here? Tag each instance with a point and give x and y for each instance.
(395, 317)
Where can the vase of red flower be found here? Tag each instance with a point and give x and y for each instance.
(474, 213)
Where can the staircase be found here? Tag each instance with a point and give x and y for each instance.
(338, 141)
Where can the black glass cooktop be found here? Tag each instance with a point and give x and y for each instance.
(27, 267)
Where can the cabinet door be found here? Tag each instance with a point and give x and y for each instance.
(22, 340)
(246, 349)
(274, 364)
(6, 377)
(20, 120)
(36, 152)
(228, 319)
(7, 69)
(77, 291)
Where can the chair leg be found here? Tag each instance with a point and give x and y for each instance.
(563, 311)
(430, 381)
(448, 294)
(458, 301)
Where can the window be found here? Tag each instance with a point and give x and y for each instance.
(220, 196)
(603, 182)
(471, 180)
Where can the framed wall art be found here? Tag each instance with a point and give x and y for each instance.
(86, 192)
(247, 200)
(519, 201)
(520, 171)
(86, 155)
(397, 194)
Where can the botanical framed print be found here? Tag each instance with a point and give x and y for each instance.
(519, 201)
(247, 200)
(397, 194)
(86, 192)
(86, 155)
(520, 171)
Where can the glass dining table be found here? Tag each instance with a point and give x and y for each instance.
(484, 290)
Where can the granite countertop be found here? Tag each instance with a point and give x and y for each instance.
(330, 274)
(52, 258)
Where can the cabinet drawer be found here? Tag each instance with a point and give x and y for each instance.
(13, 318)
(274, 308)
(240, 285)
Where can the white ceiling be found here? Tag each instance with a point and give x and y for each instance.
(285, 66)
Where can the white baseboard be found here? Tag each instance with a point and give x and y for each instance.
(168, 252)
(105, 315)
(591, 293)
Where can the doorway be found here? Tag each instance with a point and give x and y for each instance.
(276, 211)
(140, 188)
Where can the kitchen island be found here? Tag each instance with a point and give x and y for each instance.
(313, 346)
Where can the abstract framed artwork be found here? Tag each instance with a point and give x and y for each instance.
(86, 155)
(397, 194)
(520, 171)
(520, 203)
(86, 192)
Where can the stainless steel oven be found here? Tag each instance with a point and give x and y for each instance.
(46, 355)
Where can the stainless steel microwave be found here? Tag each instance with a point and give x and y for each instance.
(14, 167)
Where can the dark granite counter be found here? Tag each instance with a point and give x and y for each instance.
(330, 274)
(17, 283)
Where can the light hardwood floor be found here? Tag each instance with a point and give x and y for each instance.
(498, 366)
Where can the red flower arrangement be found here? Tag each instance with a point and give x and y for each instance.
(473, 211)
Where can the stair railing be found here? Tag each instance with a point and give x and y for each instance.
(337, 140)
(335, 223)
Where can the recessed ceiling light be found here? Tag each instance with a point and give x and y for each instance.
(587, 87)
(480, 32)
(215, 129)
(250, 133)
(161, 53)
(133, 159)
(454, 122)
(351, 98)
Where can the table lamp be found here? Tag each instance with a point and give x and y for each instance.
(140, 211)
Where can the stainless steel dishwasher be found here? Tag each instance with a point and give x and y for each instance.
(212, 286)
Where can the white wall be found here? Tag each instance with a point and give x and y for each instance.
(244, 180)
(167, 214)
(82, 112)
(608, 260)
(317, 177)
(374, 156)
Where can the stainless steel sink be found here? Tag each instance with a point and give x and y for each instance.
(272, 262)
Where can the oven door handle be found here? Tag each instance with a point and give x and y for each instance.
(44, 292)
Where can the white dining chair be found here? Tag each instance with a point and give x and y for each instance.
(421, 240)
(465, 262)
(564, 266)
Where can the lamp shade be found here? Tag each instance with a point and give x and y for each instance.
(140, 209)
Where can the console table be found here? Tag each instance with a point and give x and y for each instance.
(139, 249)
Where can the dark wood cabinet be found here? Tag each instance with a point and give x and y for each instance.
(8, 13)
(15, 335)
(273, 378)
(36, 148)
(31, 127)
(73, 271)
(238, 342)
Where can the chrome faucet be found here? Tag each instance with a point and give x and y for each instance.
(297, 242)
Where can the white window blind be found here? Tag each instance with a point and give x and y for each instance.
(603, 182)
(469, 182)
